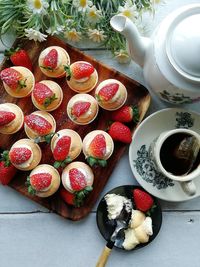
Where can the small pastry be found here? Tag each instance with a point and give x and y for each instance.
(111, 94)
(98, 146)
(18, 81)
(11, 118)
(39, 126)
(25, 155)
(82, 77)
(66, 145)
(47, 95)
(82, 108)
(52, 61)
(43, 181)
(77, 176)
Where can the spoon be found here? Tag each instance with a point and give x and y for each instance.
(121, 223)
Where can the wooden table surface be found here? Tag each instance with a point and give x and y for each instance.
(32, 236)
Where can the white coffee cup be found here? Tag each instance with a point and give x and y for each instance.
(186, 180)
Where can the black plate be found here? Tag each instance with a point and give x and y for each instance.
(106, 226)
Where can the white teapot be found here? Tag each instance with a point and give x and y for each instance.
(171, 58)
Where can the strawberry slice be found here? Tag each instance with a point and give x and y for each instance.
(12, 78)
(39, 182)
(80, 70)
(6, 117)
(19, 155)
(61, 150)
(38, 124)
(143, 200)
(77, 180)
(79, 108)
(51, 60)
(108, 91)
(43, 94)
(97, 146)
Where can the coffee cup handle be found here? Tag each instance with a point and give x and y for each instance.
(189, 187)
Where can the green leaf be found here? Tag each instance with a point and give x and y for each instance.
(136, 114)
(57, 164)
(92, 161)
(49, 100)
(31, 190)
(48, 137)
(5, 158)
(102, 162)
(68, 71)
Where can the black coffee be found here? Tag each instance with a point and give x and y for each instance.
(180, 154)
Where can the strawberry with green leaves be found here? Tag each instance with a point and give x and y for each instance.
(126, 114)
(13, 79)
(38, 182)
(97, 151)
(61, 151)
(143, 201)
(120, 132)
(50, 61)
(73, 199)
(43, 95)
(6, 117)
(19, 57)
(79, 70)
(7, 170)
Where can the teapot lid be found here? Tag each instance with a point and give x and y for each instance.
(183, 44)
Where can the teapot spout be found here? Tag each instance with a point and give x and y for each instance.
(136, 43)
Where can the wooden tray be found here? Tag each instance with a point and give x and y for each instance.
(137, 94)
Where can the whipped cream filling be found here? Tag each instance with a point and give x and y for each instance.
(115, 205)
(27, 163)
(82, 80)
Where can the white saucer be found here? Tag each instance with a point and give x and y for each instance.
(143, 167)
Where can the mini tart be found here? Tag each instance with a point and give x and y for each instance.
(84, 85)
(35, 158)
(81, 166)
(55, 182)
(87, 116)
(63, 59)
(76, 142)
(117, 100)
(58, 94)
(15, 125)
(87, 150)
(34, 135)
(29, 79)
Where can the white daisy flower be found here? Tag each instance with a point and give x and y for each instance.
(38, 6)
(129, 10)
(93, 14)
(96, 36)
(82, 5)
(55, 30)
(122, 56)
(35, 35)
(73, 35)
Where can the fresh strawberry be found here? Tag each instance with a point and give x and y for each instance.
(75, 199)
(97, 150)
(43, 94)
(77, 180)
(19, 57)
(79, 70)
(38, 124)
(97, 146)
(126, 114)
(7, 172)
(143, 201)
(50, 60)
(108, 91)
(120, 132)
(79, 108)
(61, 151)
(38, 182)
(12, 78)
(6, 117)
(19, 155)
